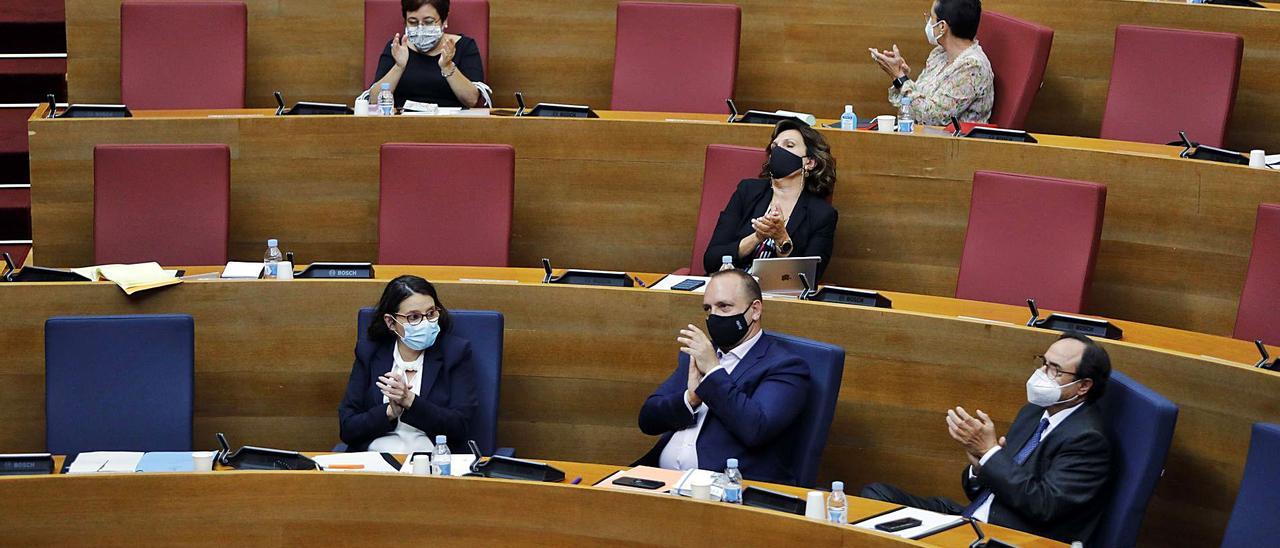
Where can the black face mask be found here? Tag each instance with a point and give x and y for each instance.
(727, 331)
(783, 162)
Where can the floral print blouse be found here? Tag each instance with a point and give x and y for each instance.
(963, 88)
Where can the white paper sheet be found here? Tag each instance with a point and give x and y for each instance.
(684, 487)
(372, 461)
(105, 461)
(238, 269)
(459, 465)
(930, 522)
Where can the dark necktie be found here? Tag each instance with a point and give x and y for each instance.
(1018, 459)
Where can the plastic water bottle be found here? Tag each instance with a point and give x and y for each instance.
(441, 457)
(732, 483)
(906, 122)
(271, 261)
(837, 505)
(386, 101)
(848, 120)
(726, 263)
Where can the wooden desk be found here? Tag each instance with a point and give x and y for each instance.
(805, 55)
(579, 362)
(296, 508)
(623, 192)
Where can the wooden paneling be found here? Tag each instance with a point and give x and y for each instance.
(272, 360)
(622, 193)
(807, 55)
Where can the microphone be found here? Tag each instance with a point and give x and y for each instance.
(1035, 313)
(546, 266)
(733, 110)
(53, 106)
(279, 101)
(808, 289)
(7, 275)
(520, 111)
(1264, 363)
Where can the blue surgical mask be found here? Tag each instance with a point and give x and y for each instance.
(422, 336)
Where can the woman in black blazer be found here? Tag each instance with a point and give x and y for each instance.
(411, 379)
(785, 212)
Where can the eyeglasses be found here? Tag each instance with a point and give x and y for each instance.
(1051, 369)
(415, 318)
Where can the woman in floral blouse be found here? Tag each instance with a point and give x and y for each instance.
(957, 80)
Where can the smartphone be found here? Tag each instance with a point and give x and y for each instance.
(898, 525)
(638, 483)
(688, 285)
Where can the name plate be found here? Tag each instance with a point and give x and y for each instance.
(1079, 324)
(349, 271)
(850, 296)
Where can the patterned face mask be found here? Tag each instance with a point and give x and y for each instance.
(424, 37)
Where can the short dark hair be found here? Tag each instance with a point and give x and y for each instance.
(1095, 364)
(822, 179)
(441, 6)
(749, 284)
(396, 292)
(962, 16)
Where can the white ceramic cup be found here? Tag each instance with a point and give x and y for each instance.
(362, 107)
(422, 465)
(815, 506)
(1258, 158)
(701, 488)
(887, 123)
(202, 461)
(284, 271)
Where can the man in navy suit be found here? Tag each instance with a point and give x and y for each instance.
(735, 396)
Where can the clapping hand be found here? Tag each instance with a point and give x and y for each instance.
(396, 390)
(448, 47)
(976, 434)
(771, 225)
(891, 62)
(400, 50)
(702, 354)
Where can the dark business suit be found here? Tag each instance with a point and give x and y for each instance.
(812, 225)
(1059, 492)
(446, 404)
(750, 414)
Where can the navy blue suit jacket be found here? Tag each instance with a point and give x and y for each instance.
(751, 413)
(445, 406)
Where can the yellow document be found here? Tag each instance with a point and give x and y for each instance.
(132, 278)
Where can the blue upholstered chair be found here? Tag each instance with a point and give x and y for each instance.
(122, 383)
(826, 369)
(1253, 520)
(1141, 423)
(484, 329)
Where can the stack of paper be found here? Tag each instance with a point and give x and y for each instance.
(459, 465)
(105, 461)
(242, 270)
(669, 478)
(930, 522)
(684, 487)
(132, 278)
(167, 461)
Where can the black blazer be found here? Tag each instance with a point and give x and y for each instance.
(812, 225)
(1058, 492)
(446, 404)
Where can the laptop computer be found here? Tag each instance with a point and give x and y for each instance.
(781, 275)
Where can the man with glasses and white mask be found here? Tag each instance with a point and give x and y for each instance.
(1047, 475)
(735, 396)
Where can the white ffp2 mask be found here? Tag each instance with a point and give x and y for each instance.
(1043, 391)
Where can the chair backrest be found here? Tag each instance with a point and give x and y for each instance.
(119, 383)
(826, 370)
(1256, 318)
(1031, 238)
(383, 20)
(1168, 80)
(693, 44)
(164, 203)
(483, 328)
(1141, 423)
(1018, 51)
(463, 192)
(724, 168)
(183, 55)
(1253, 520)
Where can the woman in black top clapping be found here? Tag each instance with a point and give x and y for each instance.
(785, 212)
(427, 65)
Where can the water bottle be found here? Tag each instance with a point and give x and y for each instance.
(271, 261)
(837, 506)
(386, 101)
(848, 120)
(441, 458)
(906, 123)
(732, 483)
(726, 263)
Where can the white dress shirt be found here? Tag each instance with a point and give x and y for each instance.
(681, 452)
(405, 438)
(983, 512)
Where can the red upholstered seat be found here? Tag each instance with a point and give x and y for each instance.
(1018, 51)
(1165, 80)
(1031, 238)
(445, 204)
(383, 19)
(1259, 314)
(725, 167)
(164, 203)
(675, 57)
(178, 55)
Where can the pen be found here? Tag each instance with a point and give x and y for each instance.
(576, 480)
(345, 467)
